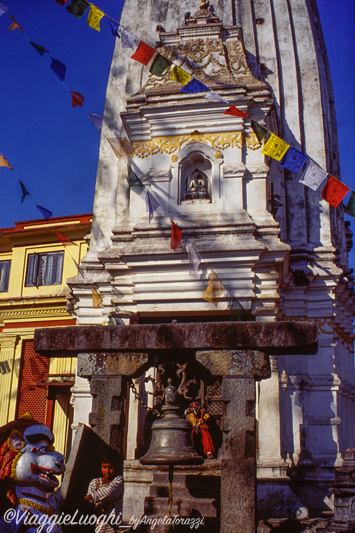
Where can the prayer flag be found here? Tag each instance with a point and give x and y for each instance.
(194, 260)
(95, 15)
(63, 239)
(45, 212)
(96, 298)
(312, 175)
(144, 53)
(350, 206)
(151, 205)
(179, 75)
(334, 191)
(58, 68)
(14, 25)
(275, 147)
(159, 65)
(114, 26)
(121, 146)
(4, 162)
(176, 236)
(128, 40)
(214, 290)
(293, 160)
(24, 192)
(39, 48)
(80, 270)
(97, 120)
(133, 181)
(259, 130)
(194, 86)
(214, 96)
(77, 99)
(3, 9)
(78, 8)
(61, 2)
(235, 112)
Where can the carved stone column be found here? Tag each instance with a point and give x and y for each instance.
(239, 369)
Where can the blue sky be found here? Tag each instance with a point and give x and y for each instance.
(54, 148)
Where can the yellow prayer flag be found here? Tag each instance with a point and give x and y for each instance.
(179, 75)
(214, 290)
(96, 298)
(4, 162)
(121, 146)
(95, 15)
(14, 25)
(275, 147)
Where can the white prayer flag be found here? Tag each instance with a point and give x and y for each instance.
(214, 96)
(3, 9)
(128, 40)
(194, 260)
(313, 175)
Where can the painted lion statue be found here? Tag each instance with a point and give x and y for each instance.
(29, 467)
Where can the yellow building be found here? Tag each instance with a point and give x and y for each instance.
(36, 257)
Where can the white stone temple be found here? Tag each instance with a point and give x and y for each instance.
(279, 249)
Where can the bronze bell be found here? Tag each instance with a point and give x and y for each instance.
(171, 436)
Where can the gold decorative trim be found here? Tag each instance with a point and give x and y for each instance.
(218, 141)
(49, 511)
(327, 326)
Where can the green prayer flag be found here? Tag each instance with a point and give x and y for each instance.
(350, 206)
(259, 130)
(78, 8)
(39, 48)
(133, 181)
(160, 64)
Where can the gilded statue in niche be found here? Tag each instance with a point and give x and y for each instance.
(197, 186)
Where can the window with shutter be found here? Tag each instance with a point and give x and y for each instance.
(4, 275)
(44, 269)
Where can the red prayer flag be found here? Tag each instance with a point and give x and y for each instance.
(63, 239)
(144, 53)
(176, 236)
(334, 191)
(61, 2)
(235, 112)
(77, 99)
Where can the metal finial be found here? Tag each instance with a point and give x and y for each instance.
(204, 4)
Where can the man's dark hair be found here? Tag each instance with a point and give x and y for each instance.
(109, 457)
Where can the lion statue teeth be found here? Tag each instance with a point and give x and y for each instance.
(29, 470)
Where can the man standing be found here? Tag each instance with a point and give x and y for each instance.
(106, 494)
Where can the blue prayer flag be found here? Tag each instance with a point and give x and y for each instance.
(114, 26)
(194, 86)
(293, 160)
(24, 192)
(151, 205)
(45, 212)
(58, 68)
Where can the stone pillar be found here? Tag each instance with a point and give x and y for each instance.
(239, 369)
(270, 462)
(106, 417)
(238, 469)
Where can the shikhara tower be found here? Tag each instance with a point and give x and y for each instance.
(279, 249)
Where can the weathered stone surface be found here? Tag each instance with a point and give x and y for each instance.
(238, 470)
(235, 363)
(269, 337)
(124, 364)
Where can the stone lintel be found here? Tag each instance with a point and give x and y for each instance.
(111, 364)
(278, 338)
(248, 363)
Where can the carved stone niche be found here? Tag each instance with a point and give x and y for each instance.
(196, 176)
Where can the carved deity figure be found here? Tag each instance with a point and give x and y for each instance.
(201, 436)
(197, 186)
(29, 467)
